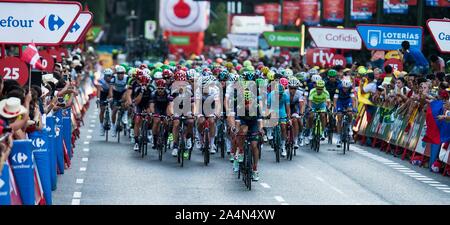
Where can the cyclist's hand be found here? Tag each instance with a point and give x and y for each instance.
(261, 131)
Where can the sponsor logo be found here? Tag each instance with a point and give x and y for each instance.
(1, 183)
(75, 28)
(38, 142)
(10, 21)
(444, 37)
(52, 22)
(19, 157)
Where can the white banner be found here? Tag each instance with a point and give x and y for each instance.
(184, 15)
(44, 23)
(244, 40)
(79, 28)
(150, 28)
(325, 37)
(440, 30)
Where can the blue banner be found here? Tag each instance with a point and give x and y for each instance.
(395, 8)
(42, 158)
(384, 37)
(58, 146)
(5, 197)
(67, 130)
(22, 166)
(50, 123)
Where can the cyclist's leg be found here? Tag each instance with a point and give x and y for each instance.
(155, 128)
(200, 123)
(243, 129)
(116, 103)
(212, 133)
(137, 125)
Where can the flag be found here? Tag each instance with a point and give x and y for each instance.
(31, 56)
(438, 131)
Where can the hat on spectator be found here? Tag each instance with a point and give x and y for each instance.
(49, 78)
(346, 70)
(11, 107)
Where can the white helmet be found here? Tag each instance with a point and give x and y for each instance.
(147, 72)
(313, 72)
(288, 72)
(316, 78)
(108, 72)
(120, 69)
(158, 75)
(346, 83)
(293, 82)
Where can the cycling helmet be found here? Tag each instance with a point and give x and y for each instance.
(320, 84)
(265, 70)
(284, 82)
(362, 70)
(147, 72)
(144, 80)
(288, 72)
(143, 66)
(316, 78)
(293, 82)
(180, 75)
(157, 75)
(346, 83)
(120, 69)
(271, 76)
(301, 76)
(313, 71)
(248, 75)
(332, 73)
(224, 75)
(160, 83)
(166, 73)
(139, 73)
(233, 77)
(260, 82)
(247, 63)
(108, 72)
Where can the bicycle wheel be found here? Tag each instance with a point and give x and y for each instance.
(161, 141)
(181, 151)
(249, 167)
(206, 152)
(221, 140)
(317, 135)
(330, 129)
(277, 143)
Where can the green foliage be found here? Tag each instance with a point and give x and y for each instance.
(218, 25)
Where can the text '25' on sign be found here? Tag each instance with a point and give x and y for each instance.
(44, 23)
(12, 68)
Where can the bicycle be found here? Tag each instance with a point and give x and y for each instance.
(121, 126)
(331, 125)
(277, 142)
(346, 126)
(161, 142)
(106, 119)
(290, 142)
(143, 140)
(246, 166)
(205, 143)
(182, 143)
(220, 140)
(317, 127)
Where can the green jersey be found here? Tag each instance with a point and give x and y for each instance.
(315, 98)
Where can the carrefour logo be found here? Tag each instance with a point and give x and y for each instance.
(52, 22)
(38, 142)
(19, 157)
(75, 28)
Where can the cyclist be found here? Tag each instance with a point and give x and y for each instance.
(319, 101)
(250, 125)
(283, 112)
(209, 93)
(119, 86)
(295, 102)
(102, 95)
(183, 90)
(344, 100)
(160, 105)
(141, 93)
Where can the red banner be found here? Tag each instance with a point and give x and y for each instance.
(333, 10)
(309, 11)
(272, 13)
(47, 61)
(259, 9)
(363, 9)
(412, 2)
(290, 12)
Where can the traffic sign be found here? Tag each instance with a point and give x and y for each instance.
(44, 23)
(328, 37)
(283, 39)
(389, 37)
(440, 31)
(79, 28)
(12, 68)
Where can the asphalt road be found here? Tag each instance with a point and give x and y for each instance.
(112, 173)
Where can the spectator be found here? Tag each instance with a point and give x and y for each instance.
(437, 64)
(415, 58)
(377, 59)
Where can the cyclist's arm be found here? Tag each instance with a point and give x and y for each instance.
(110, 92)
(152, 107)
(138, 98)
(169, 109)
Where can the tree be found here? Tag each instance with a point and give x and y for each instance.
(218, 24)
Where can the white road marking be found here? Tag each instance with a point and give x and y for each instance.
(84, 159)
(439, 185)
(85, 150)
(86, 142)
(83, 169)
(92, 125)
(77, 194)
(279, 199)
(443, 188)
(424, 179)
(90, 131)
(337, 189)
(89, 137)
(320, 179)
(75, 201)
(265, 185)
(447, 191)
(80, 181)
(430, 182)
